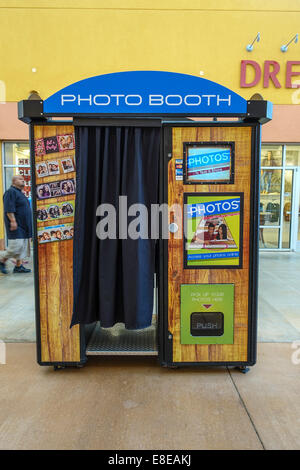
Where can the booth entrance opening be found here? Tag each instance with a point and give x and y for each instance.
(116, 252)
(187, 295)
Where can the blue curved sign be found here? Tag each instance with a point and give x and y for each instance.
(145, 92)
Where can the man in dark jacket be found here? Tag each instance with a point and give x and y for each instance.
(17, 218)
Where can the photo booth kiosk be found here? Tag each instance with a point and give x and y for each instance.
(186, 293)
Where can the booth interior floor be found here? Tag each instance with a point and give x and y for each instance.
(279, 297)
(120, 341)
(133, 403)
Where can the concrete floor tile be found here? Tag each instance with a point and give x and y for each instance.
(270, 392)
(118, 403)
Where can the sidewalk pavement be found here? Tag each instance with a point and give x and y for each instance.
(133, 403)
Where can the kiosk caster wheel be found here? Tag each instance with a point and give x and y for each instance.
(167, 366)
(243, 369)
(59, 367)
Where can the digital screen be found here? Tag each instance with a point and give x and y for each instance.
(207, 164)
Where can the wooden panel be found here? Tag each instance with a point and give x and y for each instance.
(59, 343)
(177, 275)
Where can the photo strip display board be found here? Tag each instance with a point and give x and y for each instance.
(54, 171)
(55, 186)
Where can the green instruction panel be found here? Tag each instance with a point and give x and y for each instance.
(207, 313)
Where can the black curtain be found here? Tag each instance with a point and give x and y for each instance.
(113, 278)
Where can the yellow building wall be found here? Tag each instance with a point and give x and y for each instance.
(1, 201)
(68, 40)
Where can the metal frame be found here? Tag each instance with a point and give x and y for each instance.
(257, 111)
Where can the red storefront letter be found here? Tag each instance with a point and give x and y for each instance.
(289, 74)
(271, 74)
(257, 76)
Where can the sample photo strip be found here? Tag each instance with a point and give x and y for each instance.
(56, 233)
(55, 189)
(206, 164)
(66, 142)
(213, 230)
(55, 211)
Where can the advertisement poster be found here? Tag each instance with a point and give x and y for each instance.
(55, 211)
(207, 314)
(207, 164)
(55, 233)
(213, 230)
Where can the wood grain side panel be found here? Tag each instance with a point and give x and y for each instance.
(177, 275)
(59, 343)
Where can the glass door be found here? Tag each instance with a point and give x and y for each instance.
(16, 161)
(296, 212)
(286, 216)
(279, 198)
(271, 179)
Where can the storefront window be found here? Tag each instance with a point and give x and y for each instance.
(271, 155)
(278, 190)
(292, 155)
(269, 238)
(287, 208)
(16, 161)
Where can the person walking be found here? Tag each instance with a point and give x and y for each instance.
(17, 218)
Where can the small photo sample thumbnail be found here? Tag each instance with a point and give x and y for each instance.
(67, 186)
(67, 209)
(67, 165)
(51, 144)
(41, 170)
(39, 147)
(53, 167)
(43, 191)
(66, 142)
(56, 233)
